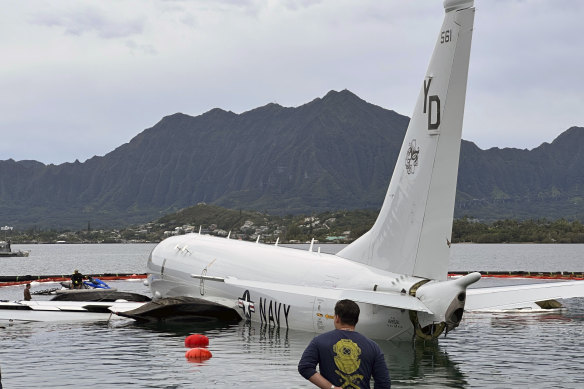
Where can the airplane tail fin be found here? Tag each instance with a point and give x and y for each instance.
(413, 230)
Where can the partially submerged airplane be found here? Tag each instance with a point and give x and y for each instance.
(397, 271)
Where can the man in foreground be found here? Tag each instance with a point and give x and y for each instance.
(346, 358)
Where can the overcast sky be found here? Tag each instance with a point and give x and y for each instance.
(80, 78)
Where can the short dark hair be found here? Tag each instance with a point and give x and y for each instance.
(347, 311)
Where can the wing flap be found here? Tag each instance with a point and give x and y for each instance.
(277, 290)
(521, 296)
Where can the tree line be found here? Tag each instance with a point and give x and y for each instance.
(468, 229)
(343, 226)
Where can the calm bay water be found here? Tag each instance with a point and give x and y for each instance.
(487, 350)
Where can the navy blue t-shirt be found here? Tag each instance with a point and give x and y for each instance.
(346, 359)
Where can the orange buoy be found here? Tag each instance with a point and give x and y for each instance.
(196, 340)
(198, 354)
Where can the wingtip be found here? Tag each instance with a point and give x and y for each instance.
(469, 279)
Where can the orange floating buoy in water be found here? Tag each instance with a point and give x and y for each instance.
(196, 340)
(198, 354)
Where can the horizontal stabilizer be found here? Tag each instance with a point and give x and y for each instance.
(79, 306)
(521, 296)
(281, 291)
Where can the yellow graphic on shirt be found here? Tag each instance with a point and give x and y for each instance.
(347, 359)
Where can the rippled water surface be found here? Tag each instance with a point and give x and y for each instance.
(487, 350)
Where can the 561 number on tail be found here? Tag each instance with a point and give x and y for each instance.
(445, 36)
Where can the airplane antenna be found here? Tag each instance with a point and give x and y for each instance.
(277, 240)
(258, 239)
(311, 245)
(319, 249)
(200, 228)
(228, 235)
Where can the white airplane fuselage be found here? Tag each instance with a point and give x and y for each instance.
(175, 261)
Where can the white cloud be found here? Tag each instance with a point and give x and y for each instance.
(105, 70)
(523, 87)
(86, 18)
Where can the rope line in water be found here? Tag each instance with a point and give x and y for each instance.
(18, 280)
(558, 275)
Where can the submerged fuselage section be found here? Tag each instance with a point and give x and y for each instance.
(201, 266)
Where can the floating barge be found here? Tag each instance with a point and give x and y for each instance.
(6, 251)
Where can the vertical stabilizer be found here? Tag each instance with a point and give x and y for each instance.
(412, 232)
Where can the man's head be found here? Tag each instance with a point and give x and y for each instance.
(27, 286)
(347, 312)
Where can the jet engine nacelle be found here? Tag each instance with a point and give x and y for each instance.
(445, 299)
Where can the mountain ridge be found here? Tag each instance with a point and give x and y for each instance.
(334, 152)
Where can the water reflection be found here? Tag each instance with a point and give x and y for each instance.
(182, 328)
(524, 320)
(265, 334)
(274, 351)
(421, 363)
(486, 351)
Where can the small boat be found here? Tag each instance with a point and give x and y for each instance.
(95, 283)
(90, 283)
(6, 251)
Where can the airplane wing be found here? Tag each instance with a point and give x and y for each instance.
(520, 296)
(282, 291)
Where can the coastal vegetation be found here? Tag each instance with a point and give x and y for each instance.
(514, 231)
(341, 226)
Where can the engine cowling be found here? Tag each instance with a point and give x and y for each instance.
(445, 299)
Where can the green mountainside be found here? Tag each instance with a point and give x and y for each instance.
(335, 152)
(343, 226)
